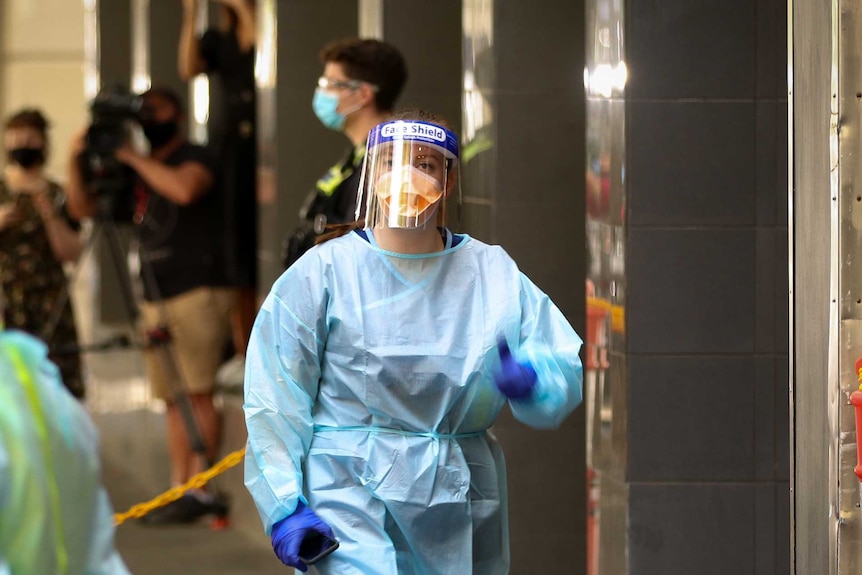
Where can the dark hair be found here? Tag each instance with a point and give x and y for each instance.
(167, 94)
(419, 115)
(229, 18)
(372, 61)
(337, 230)
(29, 118)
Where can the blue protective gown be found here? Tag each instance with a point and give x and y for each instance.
(55, 517)
(369, 394)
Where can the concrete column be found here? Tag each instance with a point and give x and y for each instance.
(114, 37)
(523, 129)
(41, 65)
(165, 19)
(431, 44)
(294, 148)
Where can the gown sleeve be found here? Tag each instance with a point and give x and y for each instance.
(550, 344)
(50, 441)
(104, 558)
(5, 475)
(282, 376)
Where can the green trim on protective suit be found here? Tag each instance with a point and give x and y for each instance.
(15, 355)
(28, 383)
(56, 516)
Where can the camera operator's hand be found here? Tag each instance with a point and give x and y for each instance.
(127, 155)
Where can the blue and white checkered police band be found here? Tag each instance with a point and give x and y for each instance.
(413, 131)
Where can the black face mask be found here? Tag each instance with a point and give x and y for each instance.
(160, 133)
(26, 157)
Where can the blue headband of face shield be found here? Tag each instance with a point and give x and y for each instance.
(415, 131)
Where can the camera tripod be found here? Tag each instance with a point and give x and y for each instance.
(156, 340)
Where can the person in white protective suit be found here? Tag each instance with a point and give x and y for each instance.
(376, 367)
(55, 517)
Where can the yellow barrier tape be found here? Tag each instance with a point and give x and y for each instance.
(171, 495)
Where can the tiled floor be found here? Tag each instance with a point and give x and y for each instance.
(185, 550)
(135, 463)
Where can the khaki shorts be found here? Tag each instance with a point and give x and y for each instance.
(199, 325)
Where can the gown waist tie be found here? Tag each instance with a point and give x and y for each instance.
(403, 432)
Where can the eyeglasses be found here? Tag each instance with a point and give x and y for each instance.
(332, 84)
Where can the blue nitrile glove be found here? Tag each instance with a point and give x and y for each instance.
(514, 380)
(287, 534)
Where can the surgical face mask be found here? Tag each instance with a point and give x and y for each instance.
(408, 196)
(325, 105)
(26, 157)
(159, 133)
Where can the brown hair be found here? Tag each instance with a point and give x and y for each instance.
(229, 19)
(419, 115)
(29, 118)
(373, 61)
(337, 230)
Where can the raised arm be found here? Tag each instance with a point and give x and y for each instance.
(183, 184)
(65, 242)
(548, 344)
(245, 22)
(189, 60)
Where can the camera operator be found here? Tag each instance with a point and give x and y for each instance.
(180, 229)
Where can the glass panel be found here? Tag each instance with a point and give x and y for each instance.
(371, 19)
(140, 46)
(199, 88)
(605, 382)
(477, 141)
(91, 49)
(267, 144)
(850, 270)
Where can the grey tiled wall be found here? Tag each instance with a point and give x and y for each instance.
(708, 287)
(164, 27)
(526, 193)
(433, 51)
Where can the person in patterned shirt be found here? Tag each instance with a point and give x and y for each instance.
(36, 237)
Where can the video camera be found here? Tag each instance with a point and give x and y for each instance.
(111, 113)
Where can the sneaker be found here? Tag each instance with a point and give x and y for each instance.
(232, 373)
(186, 509)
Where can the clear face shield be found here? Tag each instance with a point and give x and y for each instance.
(410, 168)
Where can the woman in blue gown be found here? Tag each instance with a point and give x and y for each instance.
(377, 366)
